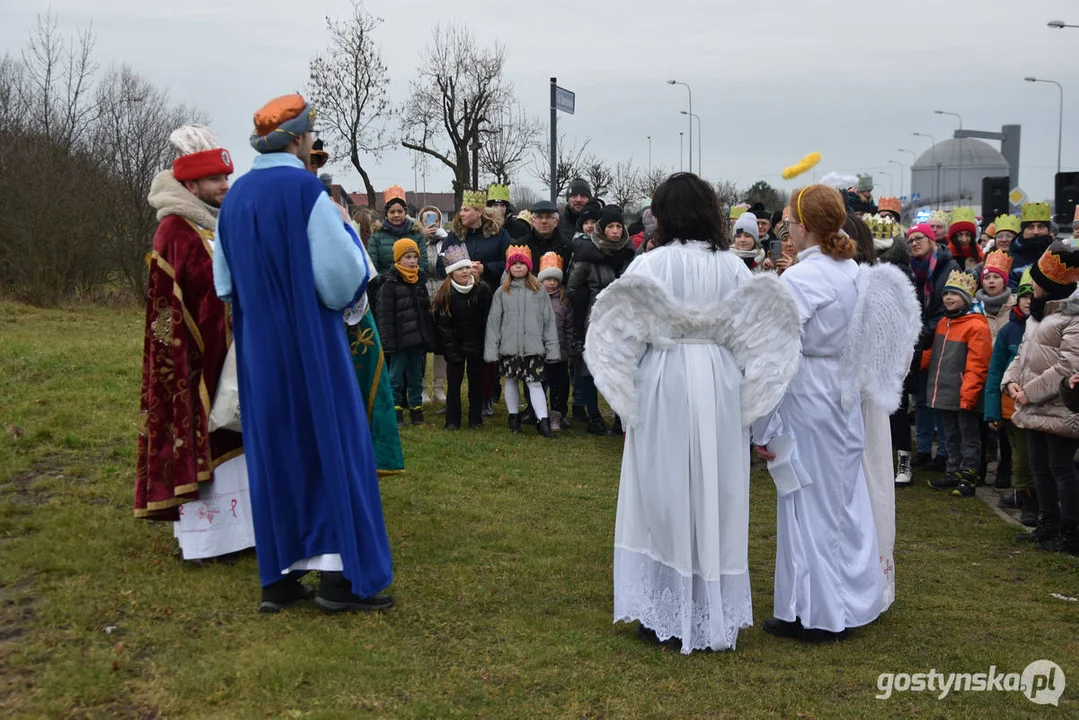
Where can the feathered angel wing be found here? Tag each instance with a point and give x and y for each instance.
(884, 330)
(765, 336)
(625, 317)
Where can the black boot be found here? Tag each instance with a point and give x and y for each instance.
(596, 426)
(544, 428)
(1069, 538)
(417, 415)
(515, 423)
(616, 428)
(1045, 530)
(400, 416)
(335, 595)
(1028, 507)
(579, 413)
(920, 460)
(287, 591)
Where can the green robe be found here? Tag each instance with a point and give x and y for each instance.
(374, 379)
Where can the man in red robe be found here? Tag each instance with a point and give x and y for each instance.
(187, 335)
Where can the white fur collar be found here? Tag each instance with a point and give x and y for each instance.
(169, 197)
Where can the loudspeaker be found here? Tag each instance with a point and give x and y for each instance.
(1067, 193)
(994, 198)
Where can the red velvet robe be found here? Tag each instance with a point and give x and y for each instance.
(187, 335)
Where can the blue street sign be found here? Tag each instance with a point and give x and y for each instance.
(916, 197)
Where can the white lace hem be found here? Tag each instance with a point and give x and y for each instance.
(704, 614)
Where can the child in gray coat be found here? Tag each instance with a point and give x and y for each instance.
(521, 336)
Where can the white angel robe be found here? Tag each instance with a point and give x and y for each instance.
(828, 572)
(688, 347)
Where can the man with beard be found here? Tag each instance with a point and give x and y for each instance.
(577, 196)
(186, 338)
(1035, 238)
(289, 262)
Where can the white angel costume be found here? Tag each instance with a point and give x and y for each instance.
(688, 347)
(829, 570)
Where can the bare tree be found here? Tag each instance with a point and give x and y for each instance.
(598, 174)
(513, 139)
(728, 195)
(459, 89)
(569, 163)
(625, 183)
(523, 197)
(59, 71)
(651, 179)
(348, 84)
(13, 94)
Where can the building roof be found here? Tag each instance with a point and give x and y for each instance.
(442, 201)
(976, 154)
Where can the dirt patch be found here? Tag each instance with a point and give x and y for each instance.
(26, 488)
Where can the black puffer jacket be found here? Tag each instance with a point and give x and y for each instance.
(556, 243)
(460, 334)
(593, 270)
(403, 314)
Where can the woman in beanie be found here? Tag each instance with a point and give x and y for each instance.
(521, 336)
(596, 264)
(829, 574)
(962, 239)
(673, 347)
(1047, 356)
(747, 242)
(395, 225)
(404, 322)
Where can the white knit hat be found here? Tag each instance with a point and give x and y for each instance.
(747, 223)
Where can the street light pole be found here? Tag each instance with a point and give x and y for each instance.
(681, 151)
(936, 188)
(913, 160)
(649, 154)
(1060, 131)
(694, 116)
(956, 115)
(690, 91)
(901, 173)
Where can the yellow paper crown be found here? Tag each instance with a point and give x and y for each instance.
(526, 216)
(474, 199)
(737, 211)
(1007, 222)
(963, 215)
(962, 282)
(498, 193)
(939, 215)
(393, 192)
(1037, 212)
(883, 226)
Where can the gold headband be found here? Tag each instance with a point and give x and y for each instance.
(801, 217)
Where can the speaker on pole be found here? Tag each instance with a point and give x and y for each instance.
(994, 198)
(1067, 193)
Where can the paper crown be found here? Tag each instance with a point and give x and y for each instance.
(1058, 267)
(526, 216)
(991, 231)
(1037, 212)
(1026, 284)
(550, 266)
(939, 215)
(498, 193)
(998, 262)
(882, 226)
(963, 219)
(456, 257)
(1006, 222)
(393, 192)
(737, 211)
(519, 254)
(474, 199)
(891, 204)
(961, 282)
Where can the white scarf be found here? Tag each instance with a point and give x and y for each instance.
(463, 289)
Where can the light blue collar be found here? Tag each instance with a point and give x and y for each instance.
(278, 159)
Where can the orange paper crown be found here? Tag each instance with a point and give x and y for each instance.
(519, 254)
(998, 262)
(1054, 269)
(393, 192)
(550, 260)
(890, 204)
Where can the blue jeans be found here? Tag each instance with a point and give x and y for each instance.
(406, 377)
(585, 392)
(927, 420)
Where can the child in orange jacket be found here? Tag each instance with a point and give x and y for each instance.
(958, 365)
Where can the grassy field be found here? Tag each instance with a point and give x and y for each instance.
(502, 548)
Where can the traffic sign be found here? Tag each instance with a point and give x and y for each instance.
(915, 197)
(564, 100)
(1017, 196)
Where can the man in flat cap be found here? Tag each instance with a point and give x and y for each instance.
(289, 263)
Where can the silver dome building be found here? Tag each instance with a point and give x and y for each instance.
(937, 173)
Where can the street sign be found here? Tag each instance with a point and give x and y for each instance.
(1017, 196)
(902, 198)
(564, 100)
(915, 197)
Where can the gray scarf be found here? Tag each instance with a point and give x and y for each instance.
(992, 305)
(609, 247)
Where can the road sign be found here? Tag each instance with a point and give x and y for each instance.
(1017, 196)
(564, 100)
(902, 198)
(915, 197)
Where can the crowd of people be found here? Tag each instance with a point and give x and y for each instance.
(286, 343)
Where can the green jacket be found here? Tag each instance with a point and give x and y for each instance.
(380, 246)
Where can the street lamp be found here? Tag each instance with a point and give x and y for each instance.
(1059, 24)
(902, 172)
(649, 154)
(681, 150)
(1060, 132)
(699, 141)
(936, 185)
(956, 115)
(690, 91)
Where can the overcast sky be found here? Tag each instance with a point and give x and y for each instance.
(772, 80)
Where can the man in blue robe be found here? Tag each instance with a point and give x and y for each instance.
(288, 263)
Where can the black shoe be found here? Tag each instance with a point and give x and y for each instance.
(1069, 538)
(475, 426)
(816, 635)
(920, 460)
(417, 416)
(937, 464)
(579, 413)
(950, 481)
(1008, 501)
(596, 426)
(649, 636)
(968, 481)
(1028, 507)
(283, 593)
(544, 428)
(565, 424)
(335, 596)
(1039, 534)
(515, 422)
(488, 409)
(1052, 544)
(400, 416)
(784, 628)
(453, 426)
(616, 428)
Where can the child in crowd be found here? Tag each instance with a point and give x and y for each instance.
(460, 310)
(403, 314)
(747, 241)
(961, 231)
(1014, 464)
(958, 364)
(996, 300)
(550, 275)
(521, 336)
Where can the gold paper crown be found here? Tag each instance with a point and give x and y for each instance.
(550, 260)
(498, 193)
(474, 199)
(961, 281)
(998, 260)
(883, 226)
(890, 204)
(526, 216)
(1037, 212)
(963, 215)
(1054, 268)
(393, 192)
(737, 211)
(1007, 222)
(939, 215)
